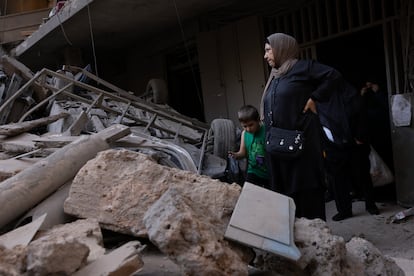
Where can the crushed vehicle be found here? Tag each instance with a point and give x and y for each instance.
(94, 104)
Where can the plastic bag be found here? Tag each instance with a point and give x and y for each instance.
(380, 173)
(233, 172)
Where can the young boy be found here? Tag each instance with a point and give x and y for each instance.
(252, 146)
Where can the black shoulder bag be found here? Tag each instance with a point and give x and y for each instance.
(284, 143)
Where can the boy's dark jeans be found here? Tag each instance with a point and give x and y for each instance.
(259, 181)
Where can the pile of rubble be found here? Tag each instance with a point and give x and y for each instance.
(184, 214)
(62, 190)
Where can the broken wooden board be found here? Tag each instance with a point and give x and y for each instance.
(55, 140)
(125, 260)
(18, 128)
(18, 144)
(264, 219)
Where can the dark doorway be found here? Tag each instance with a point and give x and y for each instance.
(184, 84)
(358, 56)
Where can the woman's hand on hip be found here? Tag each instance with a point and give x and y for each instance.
(310, 105)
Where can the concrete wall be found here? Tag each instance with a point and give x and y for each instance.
(403, 149)
(18, 6)
(16, 27)
(232, 68)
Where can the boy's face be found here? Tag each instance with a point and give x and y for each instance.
(251, 126)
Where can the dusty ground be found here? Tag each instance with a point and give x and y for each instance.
(392, 239)
(395, 240)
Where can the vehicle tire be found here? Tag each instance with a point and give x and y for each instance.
(157, 91)
(223, 134)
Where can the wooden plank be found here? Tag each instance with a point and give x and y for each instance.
(18, 128)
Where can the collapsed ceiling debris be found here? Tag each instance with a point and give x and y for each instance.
(137, 169)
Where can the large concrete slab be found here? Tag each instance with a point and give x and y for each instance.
(264, 219)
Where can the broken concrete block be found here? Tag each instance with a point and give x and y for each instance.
(118, 186)
(192, 239)
(321, 252)
(371, 259)
(60, 256)
(327, 254)
(13, 261)
(317, 245)
(85, 231)
(58, 251)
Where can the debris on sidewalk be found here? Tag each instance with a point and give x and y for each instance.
(401, 216)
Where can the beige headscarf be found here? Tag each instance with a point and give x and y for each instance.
(285, 51)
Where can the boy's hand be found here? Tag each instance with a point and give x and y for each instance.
(233, 154)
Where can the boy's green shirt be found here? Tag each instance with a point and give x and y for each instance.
(255, 148)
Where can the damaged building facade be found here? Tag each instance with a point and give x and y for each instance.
(117, 156)
(210, 53)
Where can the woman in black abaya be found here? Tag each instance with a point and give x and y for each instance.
(288, 102)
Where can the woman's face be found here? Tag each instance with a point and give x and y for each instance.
(268, 56)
